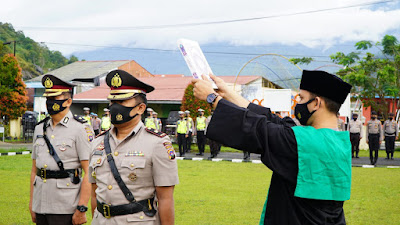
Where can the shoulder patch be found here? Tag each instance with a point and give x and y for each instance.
(79, 119)
(43, 120)
(103, 132)
(155, 132)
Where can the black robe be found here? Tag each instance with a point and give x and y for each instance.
(257, 130)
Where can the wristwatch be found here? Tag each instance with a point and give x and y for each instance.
(82, 208)
(211, 98)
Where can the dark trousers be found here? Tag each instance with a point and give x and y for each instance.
(246, 155)
(189, 142)
(96, 132)
(182, 144)
(201, 141)
(56, 219)
(355, 143)
(389, 145)
(215, 147)
(373, 142)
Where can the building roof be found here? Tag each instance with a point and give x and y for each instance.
(84, 70)
(167, 89)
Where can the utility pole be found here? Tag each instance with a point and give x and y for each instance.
(15, 45)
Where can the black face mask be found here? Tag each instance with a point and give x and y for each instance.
(355, 118)
(390, 118)
(120, 113)
(301, 112)
(55, 106)
(373, 118)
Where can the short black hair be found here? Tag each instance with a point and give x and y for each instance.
(331, 105)
(141, 98)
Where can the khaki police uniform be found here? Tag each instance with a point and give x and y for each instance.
(374, 136)
(71, 141)
(341, 126)
(355, 129)
(391, 131)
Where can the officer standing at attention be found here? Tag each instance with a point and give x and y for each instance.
(391, 130)
(190, 124)
(149, 122)
(157, 121)
(182, 131)
(86, 115)
(200, 128)
(355, 128)
(106, 120)
(311, 164)
(133, 168)
(341, 126)
(374, 137)
(58, 194)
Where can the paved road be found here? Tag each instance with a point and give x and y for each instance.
(234, 155)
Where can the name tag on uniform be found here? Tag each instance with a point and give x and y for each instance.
(39, 136)
(98, 153)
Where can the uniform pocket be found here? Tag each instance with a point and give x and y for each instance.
(140, 216)
(134, 163)
(64, 145)
(67, 184)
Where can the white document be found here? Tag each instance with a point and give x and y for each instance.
(195, 59)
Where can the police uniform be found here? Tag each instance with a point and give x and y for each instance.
(144, 160)
(190, 124)
(374, 136)
(182, 130)
(341, 126)
(391, 131)
(355, 129)
(200, 128)
(105, 121)
(150, 123)
(87, 117)
(56, 188)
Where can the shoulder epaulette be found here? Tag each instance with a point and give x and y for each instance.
(79, 119)
(155, 132)
(43, 120)
(102, 133)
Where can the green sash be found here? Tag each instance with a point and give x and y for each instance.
(324, 158)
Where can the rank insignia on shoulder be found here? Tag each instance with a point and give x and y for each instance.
(155, 132)
(79, 119)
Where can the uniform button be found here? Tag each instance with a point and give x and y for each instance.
(67, 184)
(48, 150)
(44, 181)
(132, 165)
(141, 217)
(45, 166)
(52, 136)
(109, 187)
(116, 153)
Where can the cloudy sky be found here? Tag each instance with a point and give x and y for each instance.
(122, 23)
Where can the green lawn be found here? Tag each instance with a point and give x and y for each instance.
(222, 193)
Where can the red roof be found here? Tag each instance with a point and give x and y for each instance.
(167, 88)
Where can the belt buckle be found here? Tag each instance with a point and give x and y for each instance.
(107, 212)
(43, 174)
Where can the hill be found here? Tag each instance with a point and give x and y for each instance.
(34, 58)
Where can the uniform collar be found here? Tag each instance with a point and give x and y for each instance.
(64, 121)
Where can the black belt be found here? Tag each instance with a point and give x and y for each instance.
(59, 174)
(354, 133)
(118, 210)
(374, 134)
(389, 133)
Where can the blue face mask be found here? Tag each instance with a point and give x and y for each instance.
(301, 112)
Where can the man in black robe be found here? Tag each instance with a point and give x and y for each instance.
(311, 164)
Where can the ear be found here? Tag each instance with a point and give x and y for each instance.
(317, 103)
(68, 103)
(141, 109)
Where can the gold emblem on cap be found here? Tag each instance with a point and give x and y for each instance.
(116, 81)
(48, 83)
(119, 117)
(56, 107)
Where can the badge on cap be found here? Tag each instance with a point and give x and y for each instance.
(132, 176)
(116, 81)
(48, 83)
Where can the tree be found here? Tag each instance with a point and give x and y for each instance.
(12, 89)
(189, 102)
(373, 76)
(72, 59)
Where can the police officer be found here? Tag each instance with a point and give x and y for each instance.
(149, 122)
(157, 121)
(86, 115)
(106, 120)
(58, 194)
(182, 131)
(355, 129)
(341, 126)
(133, 168)
(391, 131)
(215, 146)
(374, 137)
(200, 128)
(191, 128)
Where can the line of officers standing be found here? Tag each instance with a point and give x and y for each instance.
(374, 134)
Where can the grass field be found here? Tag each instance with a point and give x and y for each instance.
(222, 193)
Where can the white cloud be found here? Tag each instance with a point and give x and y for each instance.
(315, 29)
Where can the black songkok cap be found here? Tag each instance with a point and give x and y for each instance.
(325, 84)
(374, 113)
